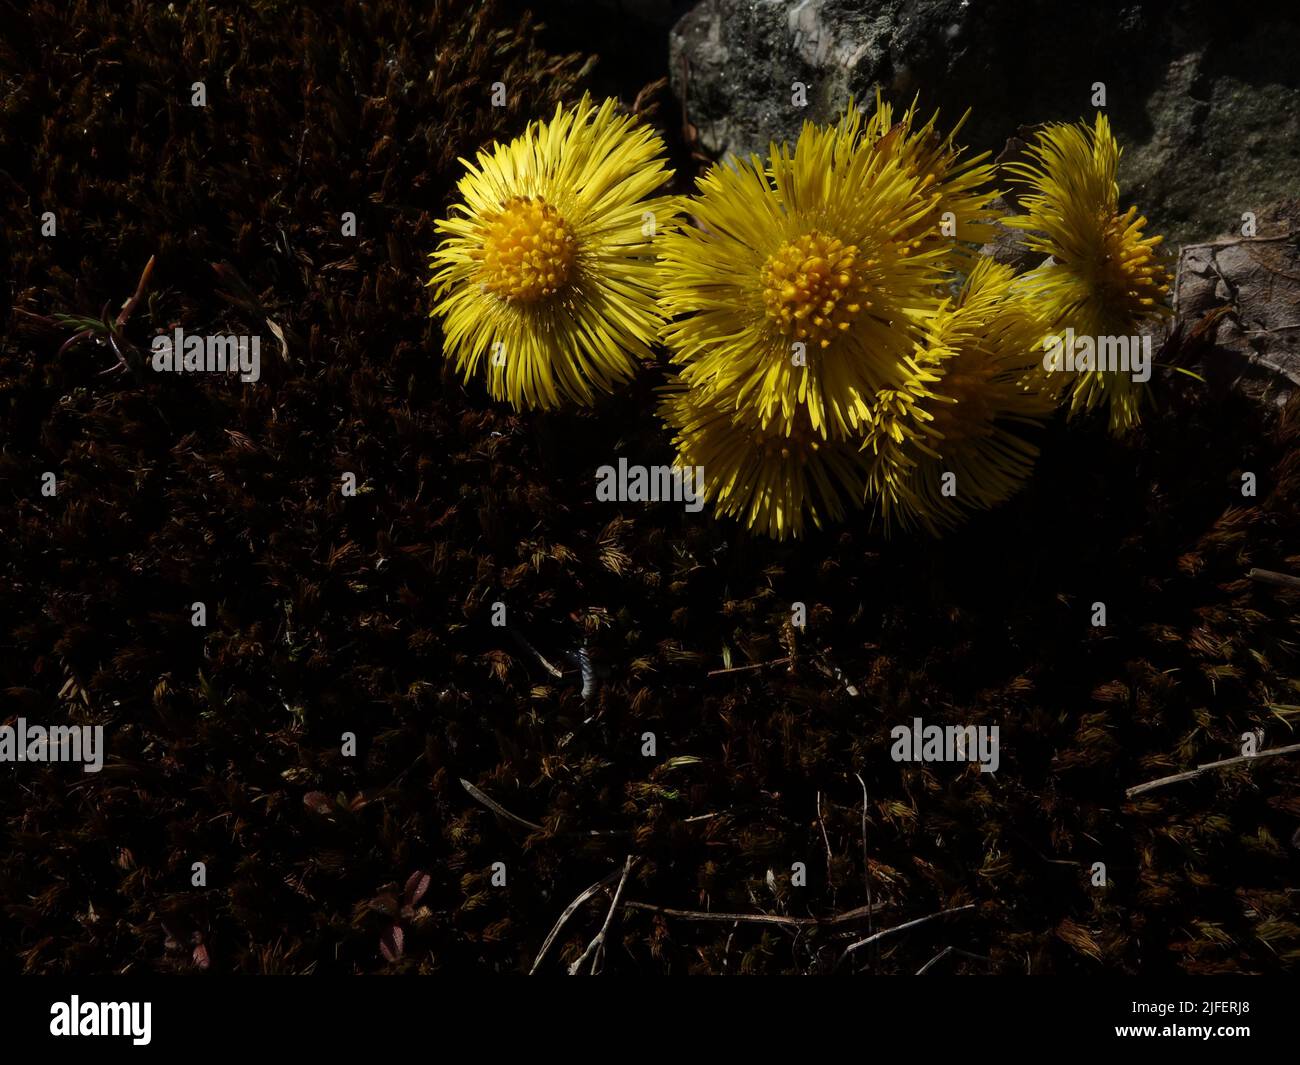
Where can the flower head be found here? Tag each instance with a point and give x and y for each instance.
(960, 215)
(1104, 278)
(961, 418)
(771, 482)
(808, 280)
(546, 276)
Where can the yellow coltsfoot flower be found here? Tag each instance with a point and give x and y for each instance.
(1104, 279)
(948, 445)
(807, 281)
(771, 481)
(545, 281)
(960, 214)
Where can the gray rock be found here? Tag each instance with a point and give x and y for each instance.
(1204, 96)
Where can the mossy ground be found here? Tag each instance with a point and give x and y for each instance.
(371, 614)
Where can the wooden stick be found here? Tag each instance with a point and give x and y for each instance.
(944, 953)
(1191, 773)
(756, 665)
(900, 928)
(757, 918)
(497, 808)
(830, 669)
(519, 638)
(829, 857)
(866, 865)
(596, 947)
(1231, 242)
(934, 961)
(1269, 576)
(569, 911)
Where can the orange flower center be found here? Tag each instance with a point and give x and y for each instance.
(813, 287)
(529, 251)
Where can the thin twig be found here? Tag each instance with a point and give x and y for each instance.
(934, 961)
(943, 954)
(596, 947)
(497, 808)
(1275, 329)
(830, 669)
(756, 665)
(1230, 242)
(501, 811)
(552, 670)
(1191, 773)
(825, 838)
(848, 917)
(866, 865)
(1269, 576)
(569, 911)
(726, 950)
(900, 928)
